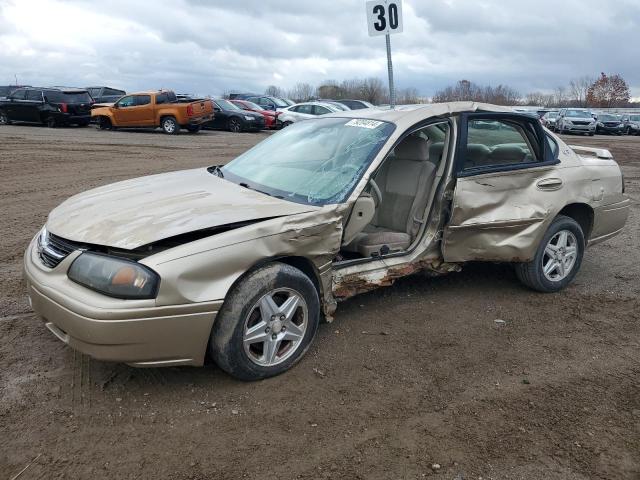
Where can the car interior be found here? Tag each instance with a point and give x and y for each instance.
(389, 215)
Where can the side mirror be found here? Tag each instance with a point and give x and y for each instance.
(116, 106)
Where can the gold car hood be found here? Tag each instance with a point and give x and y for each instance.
(141, 211)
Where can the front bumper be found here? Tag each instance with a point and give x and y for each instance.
(605, 129)
(579, 128)
(255, 124)
(134, 332)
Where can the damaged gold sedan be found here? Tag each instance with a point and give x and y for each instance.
(242, 261)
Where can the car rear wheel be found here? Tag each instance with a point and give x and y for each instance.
(51, 122)
(558, 258)
(170, 126)
(266, 324)
(235, 125)
(4, 119)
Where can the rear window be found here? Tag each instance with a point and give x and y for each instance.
(56, 96)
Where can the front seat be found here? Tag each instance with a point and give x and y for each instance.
(405, 181)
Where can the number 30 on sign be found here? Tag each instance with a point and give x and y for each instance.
(384, 17)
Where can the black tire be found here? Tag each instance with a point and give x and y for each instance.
(4, 119)
(193, 128)
(226, 345)
(531, 273)
(51, 122)
(104, 123)
(170, 125)
(235, 125)
(591, 134)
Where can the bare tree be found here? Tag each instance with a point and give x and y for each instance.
(274, 91)
(560, 96)
(579, 88)
(302, 92)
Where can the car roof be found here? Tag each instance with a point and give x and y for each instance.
(407, 115)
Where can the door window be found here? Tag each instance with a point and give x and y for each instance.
(143, 100)
(125, 102)
(18, 95)
(496, 143)
(34, 95)
(308, 109)
(319, 110)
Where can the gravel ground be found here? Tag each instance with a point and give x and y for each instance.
(411, 381)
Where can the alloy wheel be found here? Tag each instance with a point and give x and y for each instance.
(560, 256)
(234, 125)
(3, 118)
(169, 125)
(275, 327)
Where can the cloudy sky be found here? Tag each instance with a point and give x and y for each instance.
(209, 46)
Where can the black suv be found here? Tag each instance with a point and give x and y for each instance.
(49, 106)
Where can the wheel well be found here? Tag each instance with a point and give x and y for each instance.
(305, 266)
(581, 213)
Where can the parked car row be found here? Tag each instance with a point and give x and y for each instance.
(575, 120)
(112, 108)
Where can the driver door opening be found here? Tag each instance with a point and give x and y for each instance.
(388, 218)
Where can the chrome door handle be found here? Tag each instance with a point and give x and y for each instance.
(549, 184)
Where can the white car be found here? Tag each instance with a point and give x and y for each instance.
(305, 111)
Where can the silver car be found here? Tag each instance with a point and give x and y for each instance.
(549, 120)
(631, 124)
(572, 120)
(306, 111)
(242, 261)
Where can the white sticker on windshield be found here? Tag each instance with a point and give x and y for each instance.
(362, 123)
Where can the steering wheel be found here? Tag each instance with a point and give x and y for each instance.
(377, 194)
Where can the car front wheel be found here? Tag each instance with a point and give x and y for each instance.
(557, 259)
(4, 119)
(266, 324)
(235, 125)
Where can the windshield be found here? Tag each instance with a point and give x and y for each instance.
(317, 162)
(287, 101)
(608, 118)
(551, 115)
(279, 102)
(227, 105)
(578, 114)
(251, 105)
(635, 118)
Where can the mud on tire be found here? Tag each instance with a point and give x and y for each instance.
(231, 331)
(532, 274)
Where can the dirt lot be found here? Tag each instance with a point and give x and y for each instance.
(406, 377)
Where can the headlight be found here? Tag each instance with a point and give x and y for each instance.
(247, 117)
(115, 277)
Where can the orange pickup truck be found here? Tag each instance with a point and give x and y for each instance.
(154, 109)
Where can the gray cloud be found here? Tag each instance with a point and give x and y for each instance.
(208, 47)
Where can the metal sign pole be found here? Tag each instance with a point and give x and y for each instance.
(392, 90)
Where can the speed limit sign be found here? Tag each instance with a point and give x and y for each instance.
(384, 17)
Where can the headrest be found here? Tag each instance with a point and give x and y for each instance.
(435, 152)
(413, 148)
(477, 153)
(508, 154)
